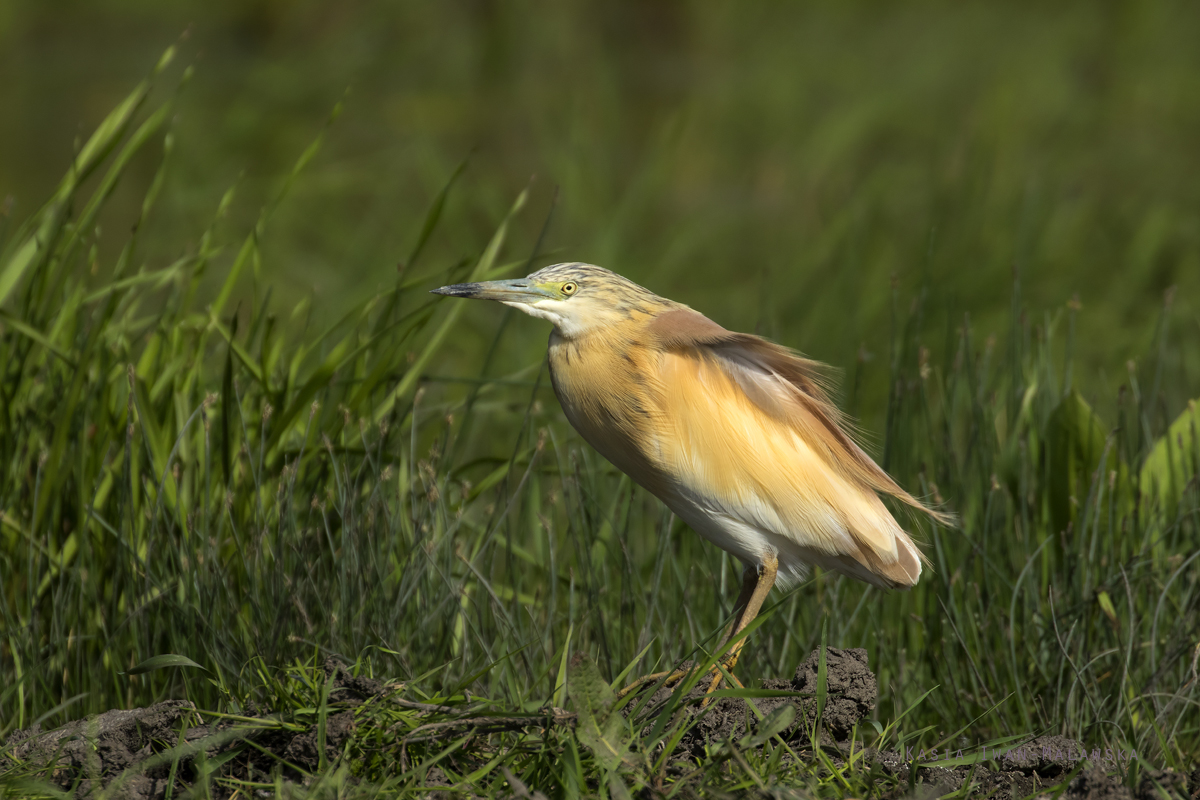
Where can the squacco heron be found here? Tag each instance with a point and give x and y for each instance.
(735, 434)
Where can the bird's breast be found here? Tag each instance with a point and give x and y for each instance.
(603, 392)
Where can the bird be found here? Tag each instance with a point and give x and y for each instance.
(737, 435)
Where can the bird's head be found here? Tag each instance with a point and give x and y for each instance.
(576, 297)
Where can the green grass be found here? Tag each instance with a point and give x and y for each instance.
(204, 473)
(776, 169)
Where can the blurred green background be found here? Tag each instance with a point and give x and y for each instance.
(984, 206)
(781, 167)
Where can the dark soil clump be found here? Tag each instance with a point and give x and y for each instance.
(1020, 770)
(131, 753)
(90, 753)
(850, 687)
(1033, 768)
(143, 754)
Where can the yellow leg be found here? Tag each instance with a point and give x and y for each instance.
(760, 584)
(755, 587)
(749, 584)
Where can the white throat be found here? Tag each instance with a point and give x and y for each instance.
(550, 310)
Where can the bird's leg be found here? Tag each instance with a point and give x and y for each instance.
(759, 584)
(749, 582)
(755, 587)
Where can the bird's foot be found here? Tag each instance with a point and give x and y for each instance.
(673, 678)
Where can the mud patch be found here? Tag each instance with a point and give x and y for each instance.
(90, 753)
(851, 690)
(132, 754)
(1024, 769)
(1034, 768)
(144, 754)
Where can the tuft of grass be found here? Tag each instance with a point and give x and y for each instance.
(205, 480)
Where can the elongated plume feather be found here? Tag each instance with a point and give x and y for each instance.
(749, 359)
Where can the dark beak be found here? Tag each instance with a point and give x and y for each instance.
(513, 291)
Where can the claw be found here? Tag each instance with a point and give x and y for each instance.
(675, 677)
(755, 586)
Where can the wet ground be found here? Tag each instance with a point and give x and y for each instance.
(141, 753)
(1037, 767)
(160, 751)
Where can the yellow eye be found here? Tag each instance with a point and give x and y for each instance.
(570, 288)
